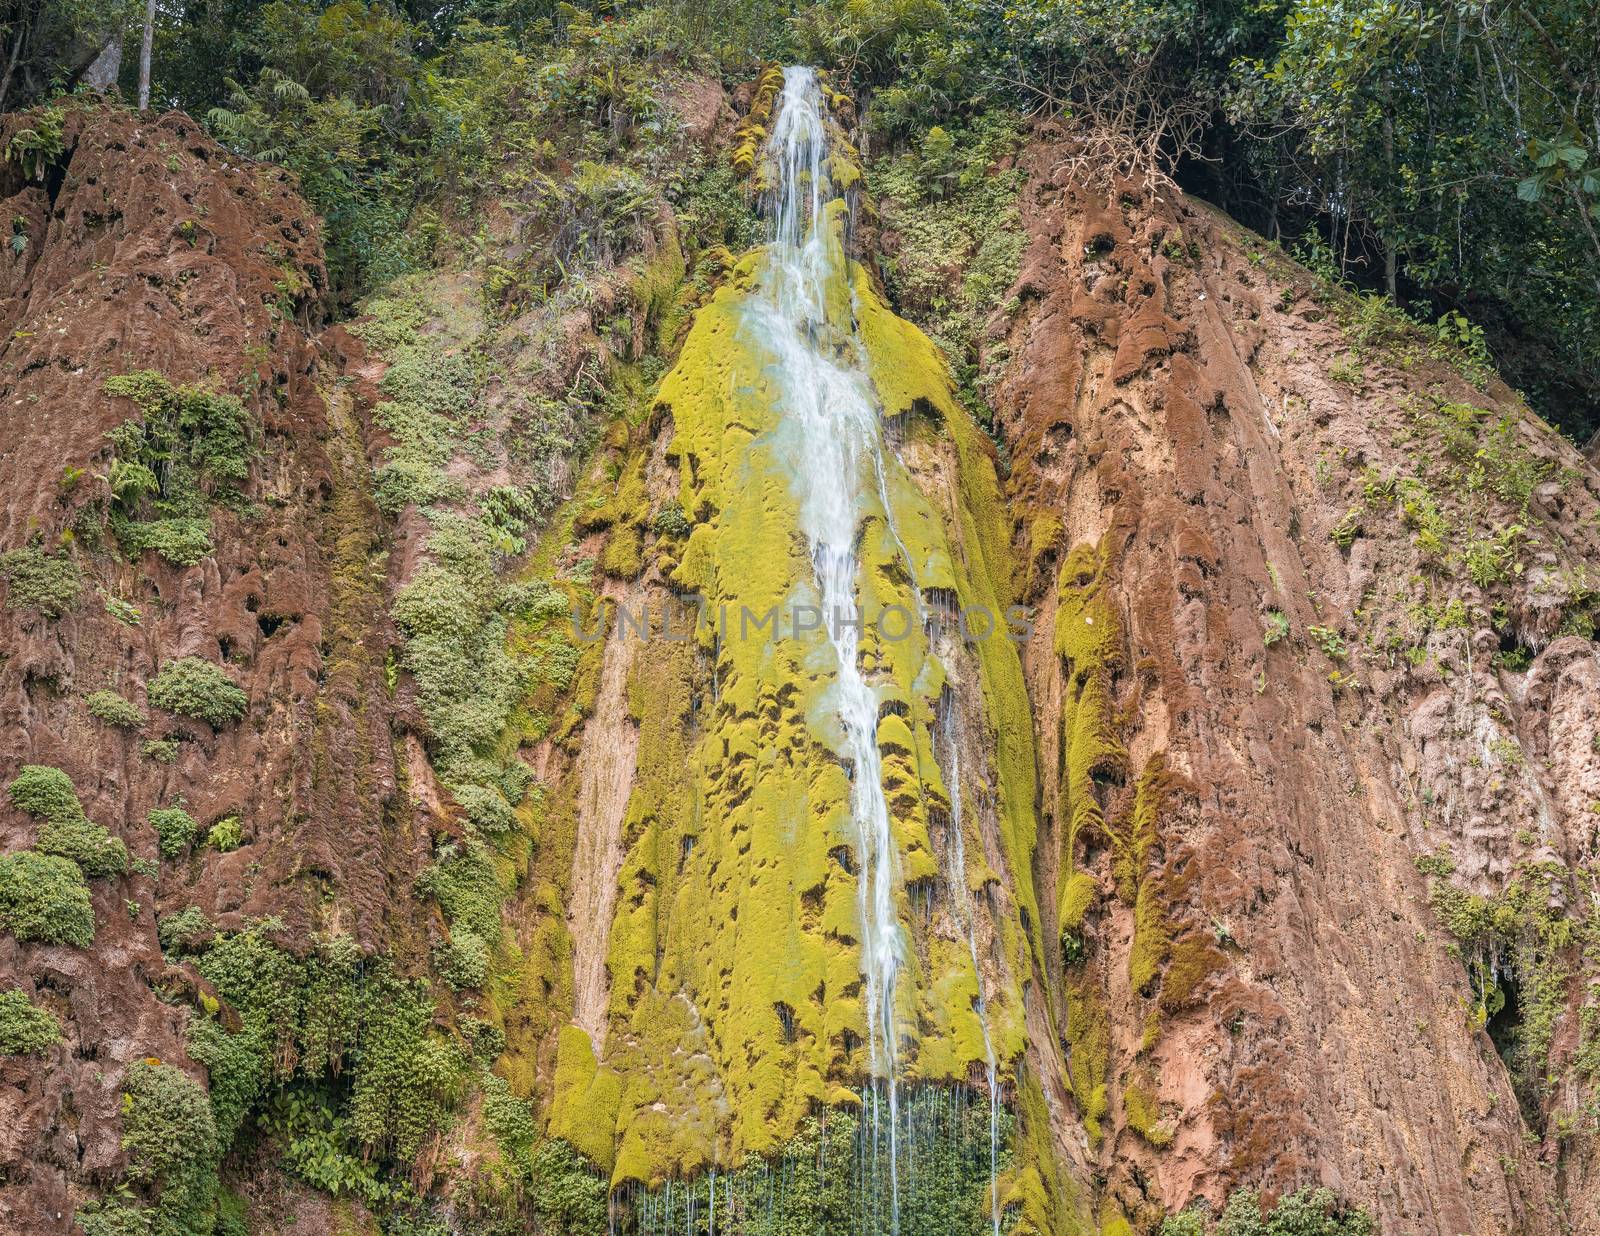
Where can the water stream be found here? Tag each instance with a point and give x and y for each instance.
(801, 316)
(828, 397)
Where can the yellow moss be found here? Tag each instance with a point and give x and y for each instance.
(1088, 638)
(1088, 1035)
(1078, 894)
(1144, 1116)
(584, 1100)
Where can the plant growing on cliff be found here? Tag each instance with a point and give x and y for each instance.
(1308, 1212)
(44, 897)
(49, 583)
(186, 449)
(170, 1139)
(25, 1028)
(196, 688)
(175, 829)
(48, 796)
(115, 710)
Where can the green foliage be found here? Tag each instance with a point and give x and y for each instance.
(182, 542)
(44, 897)
(953, 213)
(161, 750)
(1277, 627)
(36, 148)
(175, 829)
(25, 1029)
(48, 795)
(196, 688)
(44, 793)
(49, 583)
(186, 449)
(1515, 933)
(225, 834)
(115, 710)
(182, 932)
(1330, 641)
(1309, 1212)
(468, 889)
(463, 959)
(170, 1139)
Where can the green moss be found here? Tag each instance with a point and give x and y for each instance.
(48, 583)
(115, 710)
(25, 1029)
(196, 688)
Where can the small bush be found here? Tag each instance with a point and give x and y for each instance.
(170, 1137)
(44, 897)
(44, 793)
(113, 709)
(48, 796)
(195, 688)
(225, 834)
(486, 808)
(183, 932)
(49, 584)
(25, 1029)
(161, 750)
(463, 959)
(175, 828)
(182, 541)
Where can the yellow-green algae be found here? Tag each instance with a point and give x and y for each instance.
(735, 972)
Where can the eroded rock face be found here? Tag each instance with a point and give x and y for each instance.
(1310, 670)
(147, 248)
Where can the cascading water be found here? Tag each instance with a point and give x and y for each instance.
(829, 399)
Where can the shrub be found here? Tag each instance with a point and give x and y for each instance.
(486, 808)
(48, 796)
(49, 584)
(44, 793)
(192, 687)
(225, 834)
(161, 750)
(175, 828)
(86, 843)
(170, 1137)
(25, 1029)
(463, 959)
(113, 709)
(183, 932)
(182, 541)
(44, 897)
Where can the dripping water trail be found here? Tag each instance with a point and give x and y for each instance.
(962, 899)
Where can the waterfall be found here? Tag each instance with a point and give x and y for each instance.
(817, 363)
(957, 879)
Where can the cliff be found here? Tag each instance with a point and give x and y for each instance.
(1265, 861)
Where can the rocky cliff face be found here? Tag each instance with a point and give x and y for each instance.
(144, 248)
(1270, 861)
(1314, 689)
